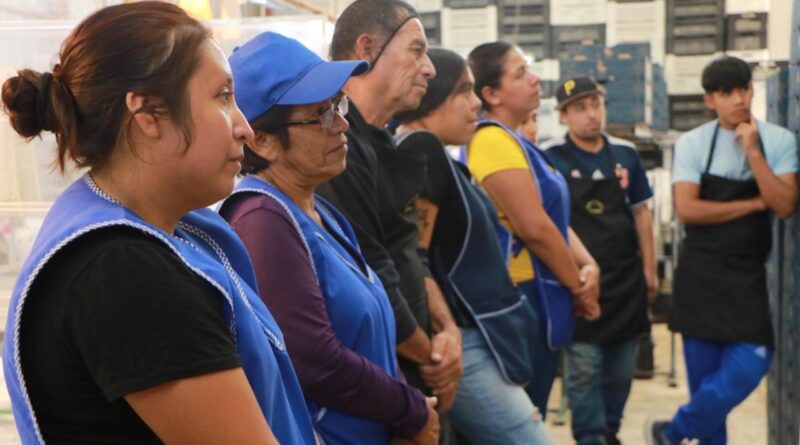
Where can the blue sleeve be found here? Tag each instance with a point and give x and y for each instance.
(687, 163)
(639, 189)
(786, 161)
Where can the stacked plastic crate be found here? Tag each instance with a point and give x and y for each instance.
(778, 96)
(576, 22)
(628, 76)
(638, 22)
(630, 84)
(695, 36)
(746, 29)
(784, 278)
(660, 99)
(466, 24)
(526, 23)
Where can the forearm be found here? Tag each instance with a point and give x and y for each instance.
(441, 318)
(702, 211)
(338, 378)
(643, 220)
(779, 194)
(549, 246)
(579, 251)
(416, 347)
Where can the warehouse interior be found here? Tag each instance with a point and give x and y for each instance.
(648, 55)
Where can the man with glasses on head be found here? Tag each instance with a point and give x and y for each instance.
(609, 193)
(378, 189)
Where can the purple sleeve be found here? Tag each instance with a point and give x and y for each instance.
(330, 374)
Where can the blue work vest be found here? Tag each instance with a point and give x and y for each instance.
(479, 280)
(553, 297)
(205, 243)
(357, 305)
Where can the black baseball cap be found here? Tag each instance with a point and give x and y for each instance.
(575, 88)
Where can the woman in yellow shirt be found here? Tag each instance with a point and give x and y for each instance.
(545, 257)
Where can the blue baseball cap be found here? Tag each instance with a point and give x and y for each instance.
(272, 69)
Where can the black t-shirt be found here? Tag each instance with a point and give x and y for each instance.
(451, 220)
(113, 313)
(441, 189)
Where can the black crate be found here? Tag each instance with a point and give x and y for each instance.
(687, 112)
(526, 23)
(695, 26)
(521, 3)
(432, 22)
(463, 4)
(746, 31)
(562, 37)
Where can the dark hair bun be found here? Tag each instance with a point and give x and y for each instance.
(20, 103)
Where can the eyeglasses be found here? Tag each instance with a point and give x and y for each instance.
(339, 105)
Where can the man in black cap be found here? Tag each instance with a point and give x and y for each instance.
(609, 213)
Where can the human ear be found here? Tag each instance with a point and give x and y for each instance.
(366, 48)
(490, 95)
(265, 145)
(708, 98)
(147, 122)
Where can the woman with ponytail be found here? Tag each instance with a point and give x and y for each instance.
(545, 258)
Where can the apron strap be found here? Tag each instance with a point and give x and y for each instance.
(711, 150)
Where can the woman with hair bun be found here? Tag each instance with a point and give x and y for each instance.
(136, 319)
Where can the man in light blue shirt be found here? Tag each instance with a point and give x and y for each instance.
(730, 161)
(730, 176)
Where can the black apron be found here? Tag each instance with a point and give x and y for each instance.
(603, 220)
(720, 290)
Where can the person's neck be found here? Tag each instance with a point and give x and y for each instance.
(371, 104)
(507, 117)
(725, 125)
(152, 201)
(425, 125)
(593, 145)
(301, 194)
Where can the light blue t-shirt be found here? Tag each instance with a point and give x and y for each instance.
(692, 149)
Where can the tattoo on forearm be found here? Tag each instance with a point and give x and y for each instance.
(422, 224)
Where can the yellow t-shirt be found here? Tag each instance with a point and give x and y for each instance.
(490, 151)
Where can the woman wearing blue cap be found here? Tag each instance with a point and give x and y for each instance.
(332, 308)
(135, 318)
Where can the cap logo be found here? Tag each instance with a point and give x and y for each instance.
(568, 87)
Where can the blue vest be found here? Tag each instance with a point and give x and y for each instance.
(357, 305)
(213, 252)
(479, 281)
(552, 296)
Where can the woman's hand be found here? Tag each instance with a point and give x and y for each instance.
(587, 294)
(429, 434)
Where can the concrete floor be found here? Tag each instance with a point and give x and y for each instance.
(650, 399)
